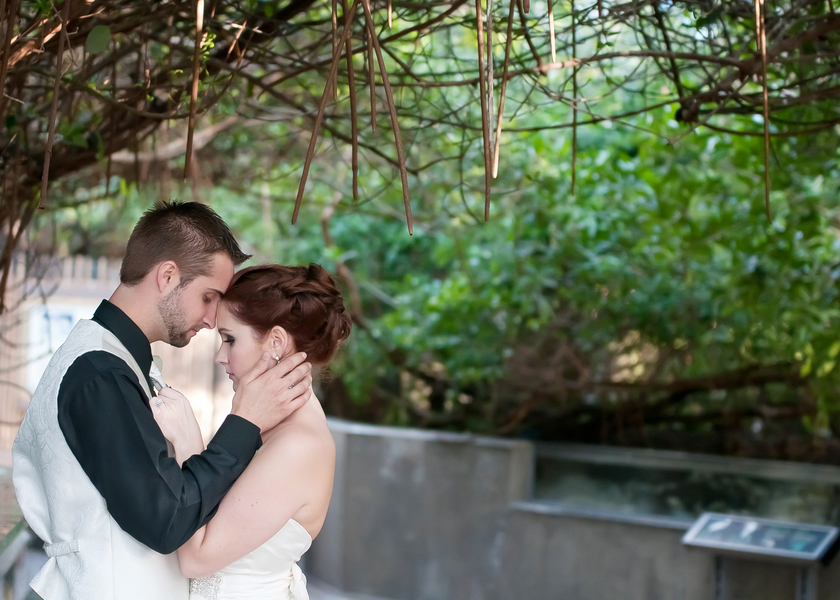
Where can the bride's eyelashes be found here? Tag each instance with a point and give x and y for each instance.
(228, 340)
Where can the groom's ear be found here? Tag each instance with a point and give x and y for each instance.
(167, 276)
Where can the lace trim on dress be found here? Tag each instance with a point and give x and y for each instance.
(208, 587)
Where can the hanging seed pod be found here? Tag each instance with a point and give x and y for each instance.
(351, 78)
(574, 100)
(199, 26)
(392, 109)
(64, 15)
(316, 127)
(490, 77)
(551, 34)
(761, 41)
(334, 26)
(485, 123)
(498, 139)
(371, 81)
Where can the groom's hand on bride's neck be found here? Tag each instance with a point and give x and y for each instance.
(272, 391)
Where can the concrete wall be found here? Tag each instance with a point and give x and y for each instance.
(419, 515)
(558, 552)
(416, 514)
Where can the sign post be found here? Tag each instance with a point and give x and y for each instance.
(801, 544)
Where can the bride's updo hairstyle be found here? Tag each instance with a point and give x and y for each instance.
(302, 300)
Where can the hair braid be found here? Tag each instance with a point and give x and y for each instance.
(302, 300)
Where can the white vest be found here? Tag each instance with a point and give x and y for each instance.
(91, 557)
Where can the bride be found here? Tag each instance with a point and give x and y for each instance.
(267, 520)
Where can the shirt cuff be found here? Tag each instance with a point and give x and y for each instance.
(238, 436)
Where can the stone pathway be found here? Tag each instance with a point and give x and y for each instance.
(33, 559)
(318, 590)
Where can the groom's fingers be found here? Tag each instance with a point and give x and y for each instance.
(290, 364)
(286, 368)
(297, 375)
(297, 396)
(268, 394)
(300, 391)
(263, 365)
(293, 386)
(303, 398)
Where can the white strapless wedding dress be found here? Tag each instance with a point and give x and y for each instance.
(268, 573)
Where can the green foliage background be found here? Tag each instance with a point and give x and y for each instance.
(654, 304)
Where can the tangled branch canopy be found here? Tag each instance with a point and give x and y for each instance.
(89, 82)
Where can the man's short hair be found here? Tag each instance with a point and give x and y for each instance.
(187, 233)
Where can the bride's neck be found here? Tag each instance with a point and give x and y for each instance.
(302, 413)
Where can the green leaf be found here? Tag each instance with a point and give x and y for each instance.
(825, 368)
(98, 39)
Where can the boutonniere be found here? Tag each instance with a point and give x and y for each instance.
(155, 373)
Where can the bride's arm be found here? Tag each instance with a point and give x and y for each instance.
(175, 417)
(279, 481)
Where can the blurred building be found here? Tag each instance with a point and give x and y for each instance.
(42, 310)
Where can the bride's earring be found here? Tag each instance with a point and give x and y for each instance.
(277, 358)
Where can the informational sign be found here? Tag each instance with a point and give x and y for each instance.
(799, 542)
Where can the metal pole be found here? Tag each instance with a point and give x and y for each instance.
(720, 578)
(806, 583)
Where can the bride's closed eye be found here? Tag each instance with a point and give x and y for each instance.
(228, 339)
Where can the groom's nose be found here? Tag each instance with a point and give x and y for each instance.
(209, 319)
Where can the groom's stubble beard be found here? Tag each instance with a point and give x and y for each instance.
(173, 318)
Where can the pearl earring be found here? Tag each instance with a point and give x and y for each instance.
(277, 358)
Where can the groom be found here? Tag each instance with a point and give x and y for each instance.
(91, 469)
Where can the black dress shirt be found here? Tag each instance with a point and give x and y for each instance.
(105, 416)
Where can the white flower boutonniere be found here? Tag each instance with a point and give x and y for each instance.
(155, 373)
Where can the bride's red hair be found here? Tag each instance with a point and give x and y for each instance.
(302, 300)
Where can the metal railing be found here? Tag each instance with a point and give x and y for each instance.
(12, 547)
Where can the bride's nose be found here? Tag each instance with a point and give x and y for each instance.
(221, 356)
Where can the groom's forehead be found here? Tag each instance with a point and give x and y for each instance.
(218, 280)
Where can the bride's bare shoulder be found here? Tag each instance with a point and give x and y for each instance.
(303, 439)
